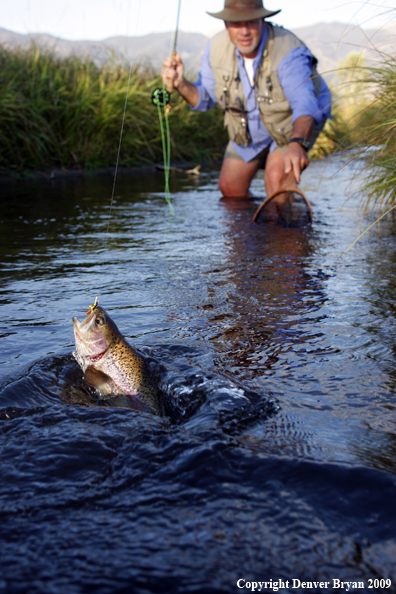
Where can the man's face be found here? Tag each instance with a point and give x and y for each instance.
(246, 36)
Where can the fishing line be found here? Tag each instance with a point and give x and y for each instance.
(123, 122)
(161, 98)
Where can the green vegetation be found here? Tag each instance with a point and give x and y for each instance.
(68, 112)
(378, 134)
(364, 123)
(352, 95)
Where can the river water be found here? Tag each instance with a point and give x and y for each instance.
(277, 460)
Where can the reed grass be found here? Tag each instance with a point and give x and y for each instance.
(377, 137)
(67, 113)
(352, 92)
(364, 124)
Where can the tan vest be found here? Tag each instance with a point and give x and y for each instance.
(275, 110)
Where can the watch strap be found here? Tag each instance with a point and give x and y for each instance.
(302, 141)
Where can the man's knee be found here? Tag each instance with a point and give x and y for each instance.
(236, 176)
(231, 186)
(274, 175)
(223, 186)
(226, 187)
(275, 169)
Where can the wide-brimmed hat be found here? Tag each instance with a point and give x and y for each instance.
(243, 10)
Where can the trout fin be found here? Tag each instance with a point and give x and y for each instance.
(99, 380)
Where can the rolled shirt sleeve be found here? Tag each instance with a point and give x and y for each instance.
(295, 76)
(205, 84)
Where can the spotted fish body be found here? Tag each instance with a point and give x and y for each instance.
(110, 364)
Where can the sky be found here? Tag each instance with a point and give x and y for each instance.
(98, 19)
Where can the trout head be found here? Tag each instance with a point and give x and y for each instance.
(94, 337)
(110, 364)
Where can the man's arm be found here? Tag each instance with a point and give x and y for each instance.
(295, 156)
(201, 94)
(173, 72)
(295, 76)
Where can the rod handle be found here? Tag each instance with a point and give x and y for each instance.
(169, 81)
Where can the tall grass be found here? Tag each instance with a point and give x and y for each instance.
(364, 123)
(378, 134)
(352, 95)
(68, 112)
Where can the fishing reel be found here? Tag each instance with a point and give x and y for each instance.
(160, 97)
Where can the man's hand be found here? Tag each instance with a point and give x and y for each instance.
(172, 71)
(295, 156)
(296, 160)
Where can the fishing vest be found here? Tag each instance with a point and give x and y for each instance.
(275, 111)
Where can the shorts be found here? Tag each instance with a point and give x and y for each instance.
(260, 159)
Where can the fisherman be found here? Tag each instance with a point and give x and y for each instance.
(265, 80)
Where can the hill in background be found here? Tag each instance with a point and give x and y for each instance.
(333, 42)
(330, 42)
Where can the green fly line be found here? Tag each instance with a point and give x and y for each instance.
(161, 98)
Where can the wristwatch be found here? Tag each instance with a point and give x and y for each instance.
(304, 143)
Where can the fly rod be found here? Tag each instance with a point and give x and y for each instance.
(161, 97)
(169, 84)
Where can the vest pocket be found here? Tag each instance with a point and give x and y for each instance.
(277, 120)
(281, 133)
(237, 127)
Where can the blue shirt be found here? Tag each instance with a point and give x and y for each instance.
(294, 75)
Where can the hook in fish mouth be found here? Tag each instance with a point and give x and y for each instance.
(92, 307)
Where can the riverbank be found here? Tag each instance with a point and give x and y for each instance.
(66, 114)
(62, 118)
(52, 174)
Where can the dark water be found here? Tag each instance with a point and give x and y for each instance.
(280, 459)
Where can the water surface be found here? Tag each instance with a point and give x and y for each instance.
(278, 459)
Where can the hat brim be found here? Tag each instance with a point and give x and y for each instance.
(235, 16)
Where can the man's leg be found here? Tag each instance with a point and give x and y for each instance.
(236, 176)
(274, 175)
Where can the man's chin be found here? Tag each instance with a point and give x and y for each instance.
(247, 52)
(247, 49)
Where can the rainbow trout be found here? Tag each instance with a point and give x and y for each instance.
(110, 364)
